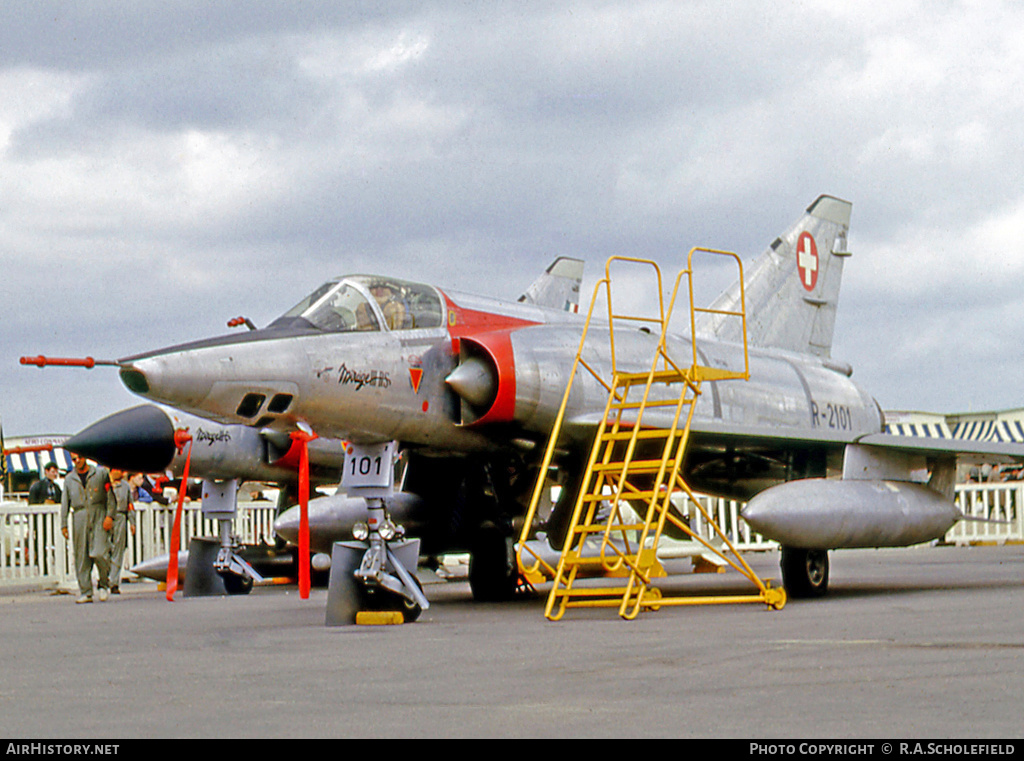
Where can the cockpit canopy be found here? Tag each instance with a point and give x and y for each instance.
(365, 303)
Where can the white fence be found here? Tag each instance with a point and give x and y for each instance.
(33, 550)
(726, 515)
(998, 508)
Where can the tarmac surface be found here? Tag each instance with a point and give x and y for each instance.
(919, 643)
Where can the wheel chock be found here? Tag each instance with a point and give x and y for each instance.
(379, 617)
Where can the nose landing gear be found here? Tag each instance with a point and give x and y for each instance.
(371, 574)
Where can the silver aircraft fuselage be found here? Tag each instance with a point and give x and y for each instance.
(393, 383)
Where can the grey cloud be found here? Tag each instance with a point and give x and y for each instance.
(469, 143)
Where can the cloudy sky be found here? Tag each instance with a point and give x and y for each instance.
(166, 166)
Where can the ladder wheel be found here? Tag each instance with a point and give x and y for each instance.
(804, 572)
(653, 593)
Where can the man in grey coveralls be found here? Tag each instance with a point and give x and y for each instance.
(87, 497)
(124, 519)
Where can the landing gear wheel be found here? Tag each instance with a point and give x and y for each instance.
(804, 572)
(384, 599)
(493, 575)
(236, 584)
(410, 610)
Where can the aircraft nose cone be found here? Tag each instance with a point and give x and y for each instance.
(171, 376)
(140, 438)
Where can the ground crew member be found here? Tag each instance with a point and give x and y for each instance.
(87, 499)
(124, 518)
(45, 491)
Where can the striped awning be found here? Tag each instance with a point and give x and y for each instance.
(931, 430)
(33, 462)
(999, 431)
(991, 430)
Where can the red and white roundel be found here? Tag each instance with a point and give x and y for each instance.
(807, 260)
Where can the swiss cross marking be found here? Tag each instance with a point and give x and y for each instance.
(807, 260)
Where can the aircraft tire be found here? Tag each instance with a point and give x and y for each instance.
(492, 567)
(410, 610)
(804, 572)
(383, 599)
(236, 584)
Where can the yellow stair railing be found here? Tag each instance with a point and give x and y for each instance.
(636, 463)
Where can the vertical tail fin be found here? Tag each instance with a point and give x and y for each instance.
(792, 289)
(558, 287)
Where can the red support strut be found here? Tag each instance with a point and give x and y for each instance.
(181, 438)
(303, 438)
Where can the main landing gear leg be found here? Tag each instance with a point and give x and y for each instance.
(493, 572)
(493, 569)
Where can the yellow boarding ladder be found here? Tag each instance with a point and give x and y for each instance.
(633, 464)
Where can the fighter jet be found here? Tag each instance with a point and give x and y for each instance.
(470, 387)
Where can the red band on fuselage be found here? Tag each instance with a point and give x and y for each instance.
(492, 333)
(470, 322)
(498, 346)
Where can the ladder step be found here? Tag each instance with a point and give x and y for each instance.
(647, 433)
(571, 560)
(634, 466)
(599, 528)
(658, 376)
(625, 495)
(650, 403)
(590, 554)
(616, 592)
(716, 373)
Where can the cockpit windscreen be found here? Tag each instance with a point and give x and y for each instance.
(364, 303)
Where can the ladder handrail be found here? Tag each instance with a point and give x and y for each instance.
(549, 451)
(556, 428)
(742, 314)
